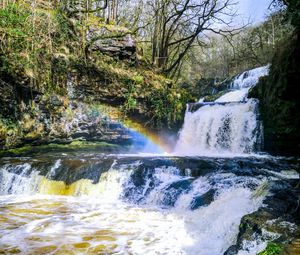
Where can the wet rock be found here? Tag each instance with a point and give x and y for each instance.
(232, 250)
(202, 200)
(174, 190)
(278, 216)
(55, 101)
(2, 138)
(81, 134)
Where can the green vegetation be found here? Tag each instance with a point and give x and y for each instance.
(75, 146)
(32, 40)
(272, 249)
(9, 130)
(43, 45)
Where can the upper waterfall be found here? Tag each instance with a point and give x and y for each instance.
(229, 125)
(249, 78)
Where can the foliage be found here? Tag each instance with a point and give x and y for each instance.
(164, 104)
(8, 130)
(139, 79)
(272, 249)
(254, 46)
(15, 40)
(293, 10)
(31, 41)
(167, 106)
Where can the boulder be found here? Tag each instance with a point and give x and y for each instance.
(113, 41)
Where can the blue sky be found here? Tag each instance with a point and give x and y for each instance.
(255, 10)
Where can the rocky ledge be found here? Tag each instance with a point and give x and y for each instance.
(56, 119)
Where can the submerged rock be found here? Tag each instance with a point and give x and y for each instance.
(202, 200)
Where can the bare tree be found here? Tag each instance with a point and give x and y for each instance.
(178, 25)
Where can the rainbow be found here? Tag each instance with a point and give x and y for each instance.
(115, 114)
(162, 145)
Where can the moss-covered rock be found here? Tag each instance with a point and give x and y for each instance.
(277, 223)
(272, 249)
(55, 119)
(139, 92)
(279, 100)
(74, 146)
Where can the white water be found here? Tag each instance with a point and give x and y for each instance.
(230, 128)
(250, 78)
(95, 219)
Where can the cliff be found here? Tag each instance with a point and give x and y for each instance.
(279, 94)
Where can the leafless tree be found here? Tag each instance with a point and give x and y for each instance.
(178, 25)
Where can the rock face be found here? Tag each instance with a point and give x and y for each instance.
(279, 100)
(11, 96)
(55, 119)
(95, 83)
(7, 99)
(113, 41)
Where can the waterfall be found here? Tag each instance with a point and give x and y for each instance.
(229, 125)
(95, 203)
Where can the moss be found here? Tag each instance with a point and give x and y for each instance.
(272, 249)
(16, 151)
(9, 133)
(86, 144)
(75, 146)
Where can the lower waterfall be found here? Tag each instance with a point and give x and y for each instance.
(131, 208)
(128, 205)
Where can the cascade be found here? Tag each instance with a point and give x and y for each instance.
(132, 199)
(229, 125)
(49, 206)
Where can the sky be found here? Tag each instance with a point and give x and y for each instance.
(255, 10)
